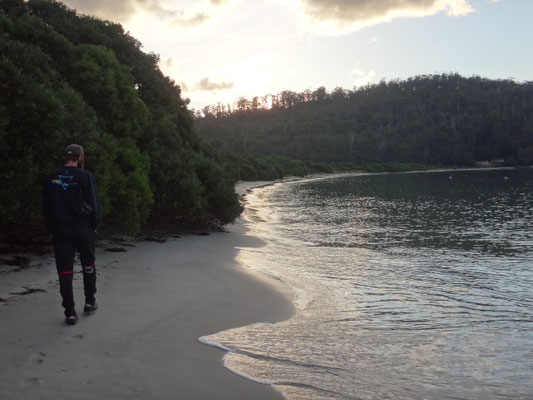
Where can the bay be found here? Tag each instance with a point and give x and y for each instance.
(415, 285)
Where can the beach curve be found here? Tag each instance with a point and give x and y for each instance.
(157, 300)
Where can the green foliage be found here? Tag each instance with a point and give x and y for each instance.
(249, 167)
(438, 119)
(39, 113)
(107, 87)
(70, 79)
(391, 167)
(129, 190)
(222, 203)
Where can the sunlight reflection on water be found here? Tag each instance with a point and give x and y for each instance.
(408, 286)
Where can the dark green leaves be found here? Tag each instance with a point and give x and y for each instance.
(69, 79)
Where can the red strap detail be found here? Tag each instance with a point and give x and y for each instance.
(66, 272)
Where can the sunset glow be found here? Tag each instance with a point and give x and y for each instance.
(218, 51)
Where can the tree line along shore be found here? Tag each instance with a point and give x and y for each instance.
(444, 119)
(69, 78)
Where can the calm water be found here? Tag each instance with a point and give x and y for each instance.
(408, 286)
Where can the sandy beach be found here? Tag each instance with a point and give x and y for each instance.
(156, 300)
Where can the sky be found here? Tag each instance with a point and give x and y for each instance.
(220, 50)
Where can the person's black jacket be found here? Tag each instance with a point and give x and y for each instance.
(63, 191)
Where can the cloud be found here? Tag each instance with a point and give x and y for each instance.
(157, 8)
(112, 10)
(124, 10)
(205, 85)
(362, 77)
(198, 19)
(183, 86)
(169, 62)
(338, 16)
(227, 3)
(357, 71)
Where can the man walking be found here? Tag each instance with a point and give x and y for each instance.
(72, 214)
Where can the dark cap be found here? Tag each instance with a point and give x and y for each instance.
(74, 150)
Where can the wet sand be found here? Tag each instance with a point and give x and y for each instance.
(156, 300)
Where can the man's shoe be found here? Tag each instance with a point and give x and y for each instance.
(71, 318)
(90, 308)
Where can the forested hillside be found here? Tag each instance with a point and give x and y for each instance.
(66, 78)
(439, 119)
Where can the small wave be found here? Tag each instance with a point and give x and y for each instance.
(242, 374)
(413, 289)
(316, 389)
(209, 341)
(326, 368)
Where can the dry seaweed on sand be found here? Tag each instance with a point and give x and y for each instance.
(156, 238)
(27, 290)
(115, 249)
(16, 261)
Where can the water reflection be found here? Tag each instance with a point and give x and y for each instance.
(409, 286)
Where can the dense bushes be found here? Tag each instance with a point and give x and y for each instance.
(392, 167)
(75, 79)
(248, 167)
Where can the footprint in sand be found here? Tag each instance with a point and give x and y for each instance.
(75, 338)
(34, 380)
(37, 358)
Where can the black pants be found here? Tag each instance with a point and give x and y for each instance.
(66, 242)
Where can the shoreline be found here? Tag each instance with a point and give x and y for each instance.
(250, 216)
(243, 185)
(156, 301)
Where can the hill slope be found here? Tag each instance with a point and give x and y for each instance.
(438, 119)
